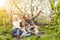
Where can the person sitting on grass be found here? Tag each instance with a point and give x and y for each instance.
(16, 26)
(31, 26)
(23, 29)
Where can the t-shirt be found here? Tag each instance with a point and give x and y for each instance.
(16, 24)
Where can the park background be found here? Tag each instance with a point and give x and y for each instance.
(48, 20)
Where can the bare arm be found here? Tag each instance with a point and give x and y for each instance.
(36, 15)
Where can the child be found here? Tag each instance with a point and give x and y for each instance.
(25, 33)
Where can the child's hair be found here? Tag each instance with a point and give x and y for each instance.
(21, 24)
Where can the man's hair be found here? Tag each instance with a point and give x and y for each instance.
(25, 15)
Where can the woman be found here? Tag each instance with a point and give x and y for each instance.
(16, 26)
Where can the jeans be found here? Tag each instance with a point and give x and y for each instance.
(27, 34)
(16, 32)
(19, 32)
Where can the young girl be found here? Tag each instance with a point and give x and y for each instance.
(23, 29)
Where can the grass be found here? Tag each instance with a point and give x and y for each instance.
(50, 34)
(42, 37)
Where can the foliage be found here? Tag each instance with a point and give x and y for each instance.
(5, 29)
(50, 32)
(6, 37)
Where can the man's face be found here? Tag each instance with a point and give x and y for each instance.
(26, 17)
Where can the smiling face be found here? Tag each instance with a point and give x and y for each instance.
(15, 17)
(22, 24)
(26, 17)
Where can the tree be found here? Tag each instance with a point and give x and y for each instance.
(29, 7)
(33, 7)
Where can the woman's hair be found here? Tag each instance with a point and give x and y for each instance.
(15, 17)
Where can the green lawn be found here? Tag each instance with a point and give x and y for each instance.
(50, 34)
